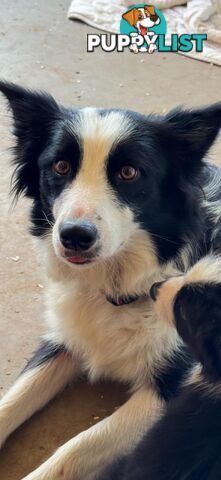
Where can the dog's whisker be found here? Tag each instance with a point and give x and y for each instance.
(164, 238)
(40, 219)
(47, 219)
(42, 229)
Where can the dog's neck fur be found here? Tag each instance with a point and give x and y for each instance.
(131, 272)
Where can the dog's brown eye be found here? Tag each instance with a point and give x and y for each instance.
(128, 173)
(62, 167)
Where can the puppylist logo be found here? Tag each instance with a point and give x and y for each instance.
(143, 28)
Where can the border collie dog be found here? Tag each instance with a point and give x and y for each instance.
(185, 442)
(119, 201)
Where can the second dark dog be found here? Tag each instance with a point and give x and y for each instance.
(185, 442)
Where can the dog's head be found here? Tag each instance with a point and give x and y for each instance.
(109, 182)
(142, 18)
(192, 302)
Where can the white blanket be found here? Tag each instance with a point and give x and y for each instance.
(183, 16)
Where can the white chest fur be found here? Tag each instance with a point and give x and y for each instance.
(123, 343)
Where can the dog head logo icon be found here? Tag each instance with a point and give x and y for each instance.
(141, 19)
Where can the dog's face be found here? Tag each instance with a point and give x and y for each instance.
(90, 183)
(109, 181)
(142, 18)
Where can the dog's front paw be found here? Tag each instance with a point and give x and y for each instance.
(152, 48)
(134, 48)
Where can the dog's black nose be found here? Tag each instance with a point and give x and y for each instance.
(77, 235)
(154, 290)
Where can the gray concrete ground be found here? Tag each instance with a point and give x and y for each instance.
(40, 48)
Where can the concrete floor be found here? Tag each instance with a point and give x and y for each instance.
(40, 48)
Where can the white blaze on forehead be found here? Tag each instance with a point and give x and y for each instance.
(98, 134)
(141, 10)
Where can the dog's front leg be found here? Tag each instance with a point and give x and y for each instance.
(48, 372)
(86, 455)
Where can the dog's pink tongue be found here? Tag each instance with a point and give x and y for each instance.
(143, 30)
(77, 259)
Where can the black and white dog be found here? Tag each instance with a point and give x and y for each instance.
(185, 442)
(119, 201)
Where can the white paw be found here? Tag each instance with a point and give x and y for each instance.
(134, 48)
(152, 48)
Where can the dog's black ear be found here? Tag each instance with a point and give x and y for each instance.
(189, 134)
(34, 116)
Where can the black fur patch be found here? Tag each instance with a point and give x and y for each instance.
(175, 369)
(46, 352)
(183, 445)
(197, 311)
